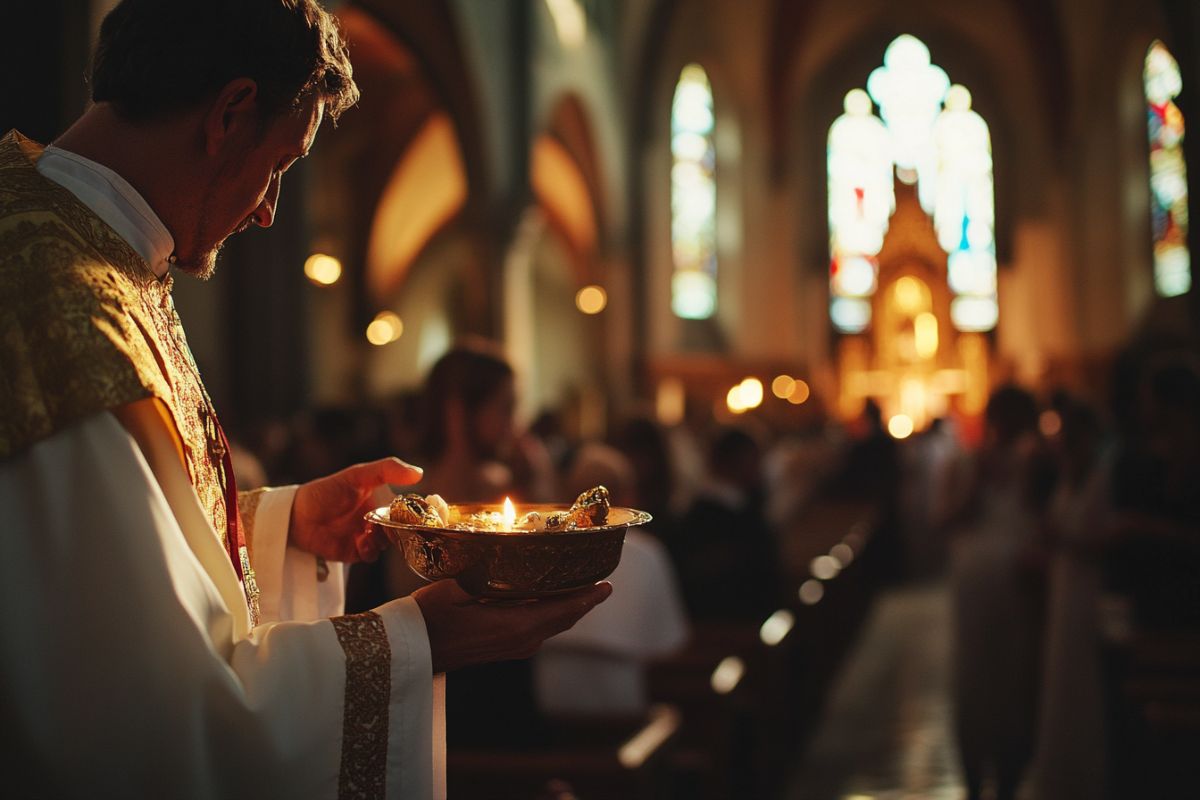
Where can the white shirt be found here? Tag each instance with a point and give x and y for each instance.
(598, 666)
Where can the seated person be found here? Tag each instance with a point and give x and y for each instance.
(598, 667)
(724, 550)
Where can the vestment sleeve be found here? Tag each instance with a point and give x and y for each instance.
(294, 585)
(121, 674)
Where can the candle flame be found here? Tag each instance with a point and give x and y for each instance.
(509, 514)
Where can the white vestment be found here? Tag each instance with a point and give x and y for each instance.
(129, 667)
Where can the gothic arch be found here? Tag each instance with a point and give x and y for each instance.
(568, 183)
(416, 96)
(429, 31)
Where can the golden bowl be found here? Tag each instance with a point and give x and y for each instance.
(515, 564)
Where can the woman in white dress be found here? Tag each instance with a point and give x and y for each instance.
(1070, 760)
(997, 601)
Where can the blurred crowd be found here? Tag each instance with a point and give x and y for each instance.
(1068, 537)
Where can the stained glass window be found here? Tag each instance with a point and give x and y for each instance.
(1168, 173)
(909, 89)
(964, 210)
(926, 133)
(693, 197)
(861, 201)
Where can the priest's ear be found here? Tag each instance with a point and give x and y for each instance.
(232, 118)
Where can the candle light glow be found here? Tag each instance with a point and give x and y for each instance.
(509, 514)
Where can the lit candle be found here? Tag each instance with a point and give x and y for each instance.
(509, 515)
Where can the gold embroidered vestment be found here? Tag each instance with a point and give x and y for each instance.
(86, 326)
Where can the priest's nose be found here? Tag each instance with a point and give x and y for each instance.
(264, 215)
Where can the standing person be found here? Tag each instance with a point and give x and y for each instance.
(1070, 761)
(174, 638)
(996, 602)
(871, 472)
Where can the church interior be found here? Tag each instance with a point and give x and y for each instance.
(883, 310)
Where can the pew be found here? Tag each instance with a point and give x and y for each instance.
(1154, 694)
(750, 692)
(706, 681)
(615, 759)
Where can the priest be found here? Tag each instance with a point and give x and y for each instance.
(166, 635)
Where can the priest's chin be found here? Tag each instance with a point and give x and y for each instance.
(203, 267)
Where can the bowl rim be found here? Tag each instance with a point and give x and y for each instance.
(378, 516)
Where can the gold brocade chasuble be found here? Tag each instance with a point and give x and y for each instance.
(86, 326)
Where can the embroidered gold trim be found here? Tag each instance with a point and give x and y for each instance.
(248, 512)
(250, 587)
(363, 638)
(85, 326)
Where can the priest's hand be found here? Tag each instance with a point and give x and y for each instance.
(327, 514)
(462, 631)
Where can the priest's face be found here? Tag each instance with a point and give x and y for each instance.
(245, 190)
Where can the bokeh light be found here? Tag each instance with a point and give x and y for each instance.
(811, 592)
(384, 329)
(824, 567)
(800, 393)
(777, 627)
(745, 396)
(900, 426)
(1049, 422)
(591, 299)
(322, 269)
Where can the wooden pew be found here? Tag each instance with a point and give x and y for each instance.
(598, 759)
(707, 681)
(1154, 683)
(735, 685)
(741, 741)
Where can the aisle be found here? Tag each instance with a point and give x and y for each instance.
(887, 730)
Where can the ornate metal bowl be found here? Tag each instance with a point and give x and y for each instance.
(517, 564)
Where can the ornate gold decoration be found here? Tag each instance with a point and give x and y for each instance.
(248, 512)
(85, 326)
(364, 640)
(513, 565)
(250, 587)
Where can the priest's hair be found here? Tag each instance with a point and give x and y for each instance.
(155, 58)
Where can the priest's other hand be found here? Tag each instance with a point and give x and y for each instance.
(327, 514)
(463, 631)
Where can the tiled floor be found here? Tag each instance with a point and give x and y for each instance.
(886, 732)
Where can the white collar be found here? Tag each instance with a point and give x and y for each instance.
(112, 199)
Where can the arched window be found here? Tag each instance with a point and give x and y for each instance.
(925, 134)
(693, 197)
(861, 201)
(1168, 173)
